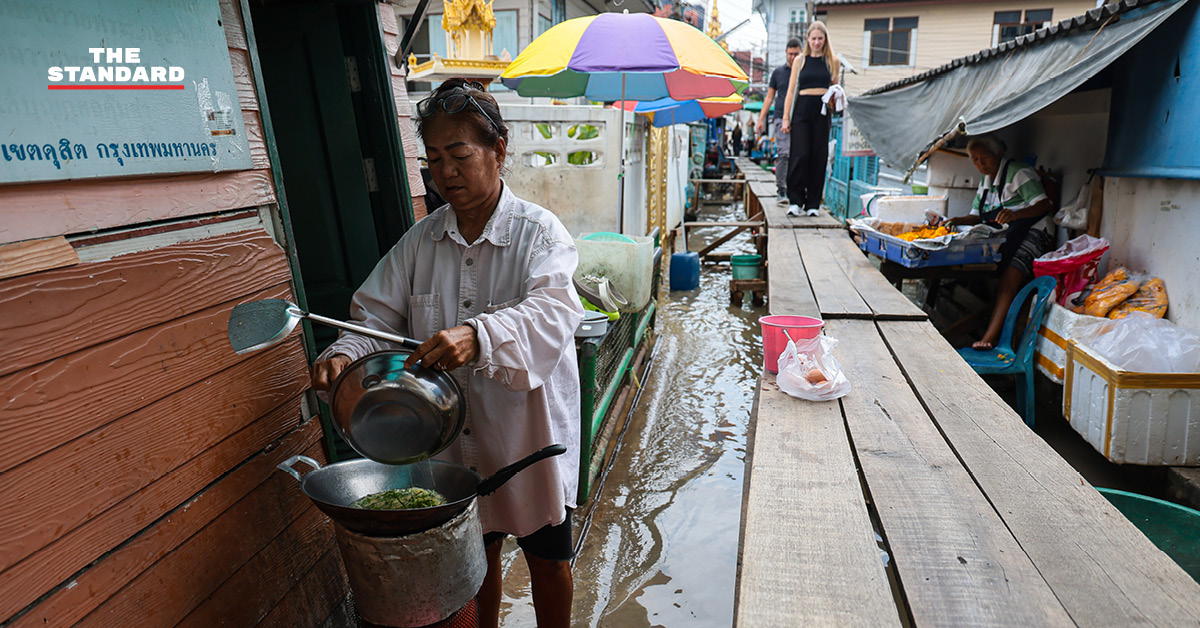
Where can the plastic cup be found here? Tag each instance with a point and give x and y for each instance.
(777, 328)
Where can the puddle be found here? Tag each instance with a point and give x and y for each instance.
(662, 546)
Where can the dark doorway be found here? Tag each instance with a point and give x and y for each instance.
(334, 123)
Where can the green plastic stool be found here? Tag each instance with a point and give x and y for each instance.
(1174, 529)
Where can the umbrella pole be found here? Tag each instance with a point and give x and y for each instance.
(621, 156)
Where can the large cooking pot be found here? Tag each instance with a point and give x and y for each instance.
(333, 488)
(394, 415)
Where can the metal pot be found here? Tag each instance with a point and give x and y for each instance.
(394, 415)
(335, 487)
(417, 579)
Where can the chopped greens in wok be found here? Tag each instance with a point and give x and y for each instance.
(401, 499)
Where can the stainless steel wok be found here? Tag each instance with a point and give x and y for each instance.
(335, 487)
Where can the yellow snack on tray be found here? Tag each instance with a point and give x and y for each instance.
(924, 232)
(1110, 292)
(1151, 298)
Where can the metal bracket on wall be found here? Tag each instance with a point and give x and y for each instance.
(352, 73)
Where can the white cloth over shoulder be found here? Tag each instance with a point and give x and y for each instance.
(834, 97)
(513, 285)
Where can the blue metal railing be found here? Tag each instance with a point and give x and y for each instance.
(861, 174)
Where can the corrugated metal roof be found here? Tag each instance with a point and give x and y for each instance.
(1094, 18)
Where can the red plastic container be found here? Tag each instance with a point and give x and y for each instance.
(777, 328)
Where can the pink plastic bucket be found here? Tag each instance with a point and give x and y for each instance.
(775, 340)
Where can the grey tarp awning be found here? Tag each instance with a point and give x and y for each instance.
(998, 87)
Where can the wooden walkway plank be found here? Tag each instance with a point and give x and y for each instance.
(835, 294)
(1102, 569)
(883, 298)
(788, 289)
(777, 217)
(957, 562)
(808, 556)
(776, 214)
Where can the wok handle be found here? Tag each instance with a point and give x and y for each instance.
(407, 343)
(286, 465)
(489, 486)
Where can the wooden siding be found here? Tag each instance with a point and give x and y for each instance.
(138, 484)
(404, 109)
(945, 31)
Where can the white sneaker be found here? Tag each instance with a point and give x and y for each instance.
(813, 211)
(794, 210)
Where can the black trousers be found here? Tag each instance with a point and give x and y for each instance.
(809, 152)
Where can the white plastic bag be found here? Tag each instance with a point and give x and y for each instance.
(1142, 343)
(809, 371)
(1074, 215)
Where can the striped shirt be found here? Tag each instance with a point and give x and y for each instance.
(1022, 188)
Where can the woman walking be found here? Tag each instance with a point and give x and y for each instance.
(812, 76)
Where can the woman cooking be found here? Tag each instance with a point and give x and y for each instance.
(1010, 193)
(487, 279)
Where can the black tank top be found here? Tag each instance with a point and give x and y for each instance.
(814, 74)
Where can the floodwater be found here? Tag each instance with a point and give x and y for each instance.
(661, 544)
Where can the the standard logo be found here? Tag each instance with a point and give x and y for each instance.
(122, 69)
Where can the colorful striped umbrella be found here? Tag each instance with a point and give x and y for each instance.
(642, 56)
(667, 111)
(624, 56)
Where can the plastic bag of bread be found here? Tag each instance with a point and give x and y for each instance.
(1150, 298)
(1116, 286)
(808, 370)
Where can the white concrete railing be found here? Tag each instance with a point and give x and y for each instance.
(583, 196)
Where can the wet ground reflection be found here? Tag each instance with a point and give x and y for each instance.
(662, 546)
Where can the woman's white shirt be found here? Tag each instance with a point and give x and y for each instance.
(514, 286)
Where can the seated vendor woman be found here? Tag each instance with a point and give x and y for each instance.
(1010, 193)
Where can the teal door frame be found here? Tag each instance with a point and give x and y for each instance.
(391, 171)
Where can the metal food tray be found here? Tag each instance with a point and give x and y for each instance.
(906, 254)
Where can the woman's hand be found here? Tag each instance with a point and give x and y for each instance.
(447, 350)
(326, 371)
(785, 126)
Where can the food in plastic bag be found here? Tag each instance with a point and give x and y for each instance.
(1110, 292)
(1073, 265)
(808, 370)
(1143, 344)
(1151, 298)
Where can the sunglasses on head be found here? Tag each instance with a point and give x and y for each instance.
(455, 101)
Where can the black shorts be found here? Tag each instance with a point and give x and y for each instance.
(1036, 244)
(549, 542)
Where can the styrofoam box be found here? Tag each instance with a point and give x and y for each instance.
(1058, 328)
(907, 208)
(1135, 418)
